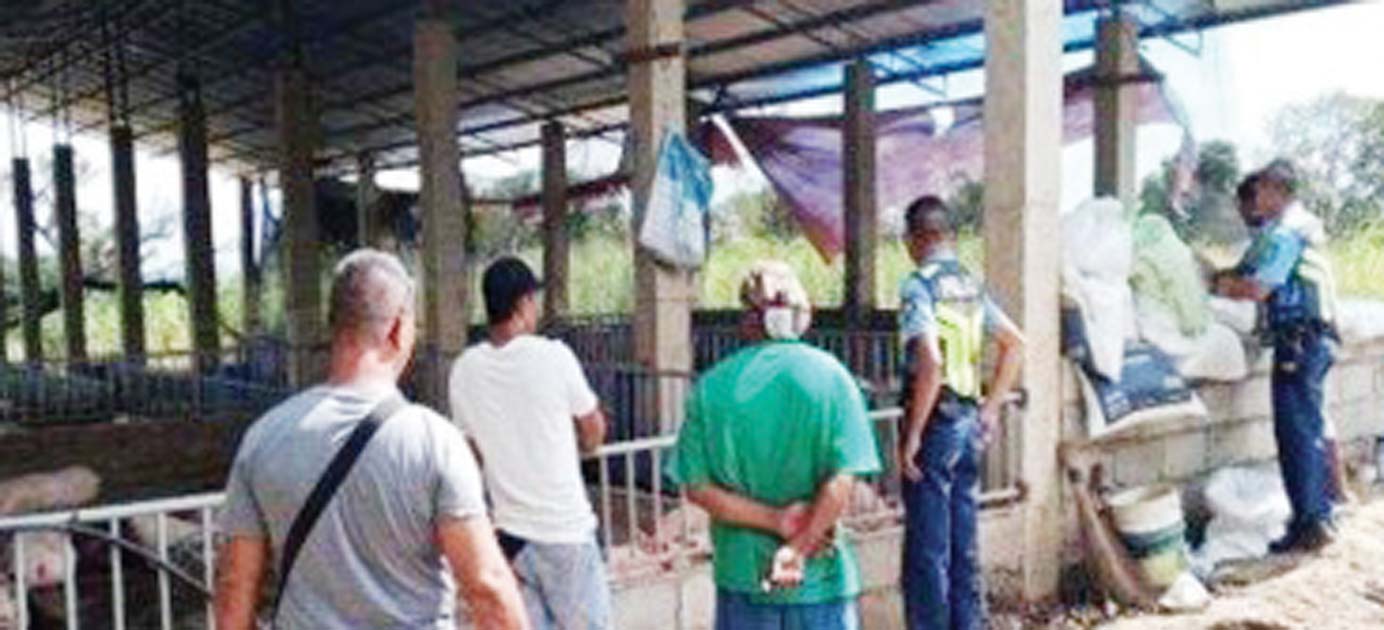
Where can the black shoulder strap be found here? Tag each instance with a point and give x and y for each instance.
(327, 486)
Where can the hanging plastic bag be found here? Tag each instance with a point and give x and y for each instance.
(675, 215)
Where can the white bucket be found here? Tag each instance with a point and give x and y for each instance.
(1149, 520)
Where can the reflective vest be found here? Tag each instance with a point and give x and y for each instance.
(958, 306)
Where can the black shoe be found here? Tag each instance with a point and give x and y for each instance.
(1305, 538)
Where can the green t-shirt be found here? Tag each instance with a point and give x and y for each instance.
(772, 422)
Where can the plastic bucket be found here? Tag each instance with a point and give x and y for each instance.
(1149, 521)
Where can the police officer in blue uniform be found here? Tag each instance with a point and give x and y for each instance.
(1286, 269)
(944, 319)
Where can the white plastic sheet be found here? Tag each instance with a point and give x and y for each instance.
(674, 227)
(1097, 259)
(1249, 509)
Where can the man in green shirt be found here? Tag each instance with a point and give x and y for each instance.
(774, 438)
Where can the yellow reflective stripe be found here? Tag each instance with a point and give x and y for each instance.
(961, 331)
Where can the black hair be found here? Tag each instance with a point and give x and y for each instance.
(1245, 191)
(507, 281)
(929, 214)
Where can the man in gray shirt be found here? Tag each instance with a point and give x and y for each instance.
(375, 557)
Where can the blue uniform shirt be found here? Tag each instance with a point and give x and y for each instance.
(1272, 262)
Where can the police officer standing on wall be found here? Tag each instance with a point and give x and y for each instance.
(1287, 269)
(944, 320)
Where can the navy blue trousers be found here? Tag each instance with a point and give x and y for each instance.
(1301, 361)
(941, 563)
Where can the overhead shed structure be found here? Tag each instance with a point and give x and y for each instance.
(306, 87)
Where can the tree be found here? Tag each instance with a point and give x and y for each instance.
(1207, 211)
(1337, 144)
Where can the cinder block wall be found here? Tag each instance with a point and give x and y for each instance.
(1239, 426)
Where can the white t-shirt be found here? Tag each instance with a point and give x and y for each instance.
(518, 402)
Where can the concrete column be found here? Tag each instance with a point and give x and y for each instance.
(368, 225)
(556, 252)
(657, 90)
(69, 253)
(1023, 155)
(444, 277)
(1117, 107)
(251, 293)
(197, 245)
(301, 250)
(29, 289)
(861, 212)
(127, 244)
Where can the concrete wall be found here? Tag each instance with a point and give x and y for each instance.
(685, 599)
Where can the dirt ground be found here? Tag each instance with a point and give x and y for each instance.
(1342, 587)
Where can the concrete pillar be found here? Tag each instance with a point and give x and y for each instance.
(29, 289)
(301, 250)
(444, 277)
(861, 212)
(251, 293)
(127, 244)
(657, 90)
(368, 225)
(1117, 107)
(1023, 156)
(69, 253)
(556, 252)
(197, 244)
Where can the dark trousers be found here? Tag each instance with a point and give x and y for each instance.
(941, 563)
(1301, 361)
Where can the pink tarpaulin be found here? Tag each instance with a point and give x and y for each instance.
(802, 157)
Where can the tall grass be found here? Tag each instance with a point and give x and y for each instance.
(602, 282)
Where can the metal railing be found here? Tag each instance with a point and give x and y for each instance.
(241, 381)
(134, 583)
(169, 546)
(645, 525)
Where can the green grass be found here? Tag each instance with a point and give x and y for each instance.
(602, 282)
(1359, 263)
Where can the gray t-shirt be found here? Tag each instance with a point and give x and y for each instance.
(371, 561)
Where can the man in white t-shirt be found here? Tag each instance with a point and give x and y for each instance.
(524, 402)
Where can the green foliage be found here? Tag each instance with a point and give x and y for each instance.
(1206, 214)
(1337, 144)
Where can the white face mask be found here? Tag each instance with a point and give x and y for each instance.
(778, 323)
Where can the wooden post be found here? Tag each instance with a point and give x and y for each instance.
(861, 214)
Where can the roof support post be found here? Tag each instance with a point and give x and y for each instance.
(197, 244)
(29, 289)
(664, 295)
(69, 253)
(252, 290)
(1023, 144)
(131, 283)
(301, 253)
(556, 253)
(861, 212)
(368, 224)
(444, 257)
(1117, 107)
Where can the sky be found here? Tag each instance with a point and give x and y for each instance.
(1231, 87)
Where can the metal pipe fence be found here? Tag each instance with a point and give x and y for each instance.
(149, 564)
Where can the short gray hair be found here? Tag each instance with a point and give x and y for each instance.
(369, 288)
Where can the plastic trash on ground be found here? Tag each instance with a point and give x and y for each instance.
(1249, 509)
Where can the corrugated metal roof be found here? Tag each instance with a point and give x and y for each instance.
(521, 61)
